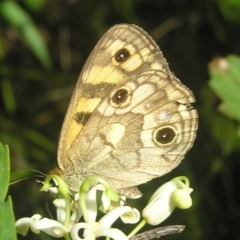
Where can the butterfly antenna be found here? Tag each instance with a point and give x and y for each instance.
(40, 174)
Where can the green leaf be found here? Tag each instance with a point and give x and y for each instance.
(4, 171)
(225, 82)
(7, 220)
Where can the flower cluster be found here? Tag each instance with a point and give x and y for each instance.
(79, 212)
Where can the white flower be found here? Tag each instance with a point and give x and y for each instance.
(102, 227)
(36, 224)
(84, 206)
(91, 228)
(162, 203)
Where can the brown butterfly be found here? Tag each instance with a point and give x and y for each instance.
(130, 119)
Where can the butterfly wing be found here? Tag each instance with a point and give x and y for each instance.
(102, 71)
(129, 120)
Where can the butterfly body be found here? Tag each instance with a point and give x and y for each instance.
(130, 119)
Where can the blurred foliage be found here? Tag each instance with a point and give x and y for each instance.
(34, 98)
(225, 82)
(20, 20)
(230, 9)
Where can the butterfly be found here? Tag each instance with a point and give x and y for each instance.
(129, 119)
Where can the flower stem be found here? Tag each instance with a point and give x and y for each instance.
(66, 236)
(137, 228)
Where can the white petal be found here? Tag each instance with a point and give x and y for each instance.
(76, 212)
(34, 219)
(166, 188)
(131, 217)
(88, 235)
(108, 219)
(108, 205)
(22, 225)
(91, 202)
(51, 227)
(76, 197)
(112, 233)
(157, 211)
(106, 202)
(60, 204)
(53, 190)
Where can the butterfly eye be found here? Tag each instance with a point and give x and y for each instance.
(121, 55)
(165, 135)
(121, 97)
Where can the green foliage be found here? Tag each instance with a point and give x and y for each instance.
(6, 86)
(19, 19)
(35, 5)
(225, 82)
(230, 9)
(7, 221)
(223, 129)
(8, 95)
(225, 96)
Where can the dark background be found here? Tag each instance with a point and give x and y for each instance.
(190, 34)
